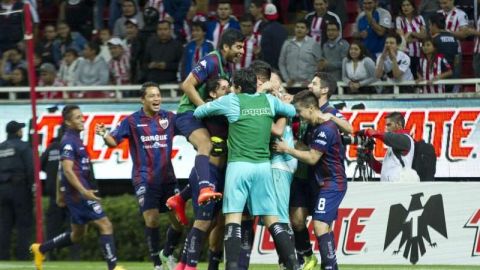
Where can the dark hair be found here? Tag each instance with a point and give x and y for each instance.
(212, 84)
(247, 18)
(363, 50)
(326, 80)
(219, 2)
(230, 37)
(438, 20)
(150, 16)
(334, 23)
(164, 21)
(72, 51)
(261, 68)
(246, 79)
(302, 21)
(305, 98)
(395, 36)
(396, 117)
(201, 25)
(258, 3)
(145, 86)
(24, 72)
(67, 111)
(412, 2)
(93, 45)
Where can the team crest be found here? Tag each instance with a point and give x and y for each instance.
(163, 123)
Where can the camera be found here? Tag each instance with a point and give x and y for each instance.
(364, 153)
(362, 142)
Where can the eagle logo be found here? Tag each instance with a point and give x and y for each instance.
(414, 225)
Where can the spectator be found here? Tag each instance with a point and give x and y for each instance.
(10, 26)
(177, 11)
(103, 37)
(192, 16)
(273, 37)
(339, 7)
(19, 77)
(427, 8)
(149, 30)
(92, 68)
(129, 10)
(78, 14)
(16, 204)
(256, 10)
(66, 39)
(195, 49)
(48, 77)
(11, 59)
(372, 25)
(250, 44)
(224, 21)
(358, 70)
(120, 63)
(132, 44)
(45, 47)
(445, 42)
(411, 27)
(159, 5)
(393, 64)
(476, 49)
(433, 66)
(162, 55)
(334, 49)
(318, 20)
(299, 57)
(69, 65)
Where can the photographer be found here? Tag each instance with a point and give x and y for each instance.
(399, 153)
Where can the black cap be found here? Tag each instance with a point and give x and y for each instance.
(14, 126)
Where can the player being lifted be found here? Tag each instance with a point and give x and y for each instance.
(150, 133)
(79, 195)
(249, 176)
(218, 63)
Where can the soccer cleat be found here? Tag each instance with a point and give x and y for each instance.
(38, 256)
(119, 267)
(168, 262)
(310, 262)
(177, 205)
(208, 194)
(158, 267)
(180, 266)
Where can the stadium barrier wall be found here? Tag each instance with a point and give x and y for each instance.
(401, 224)
(451, 125)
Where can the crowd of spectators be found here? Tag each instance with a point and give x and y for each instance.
(160, 40)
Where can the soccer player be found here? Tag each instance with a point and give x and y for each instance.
(150, 132)
(249, 176)
(326, 154)
(79, 195)
(218, 63)
(205, 215)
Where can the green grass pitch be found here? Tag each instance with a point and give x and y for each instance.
(11, 265)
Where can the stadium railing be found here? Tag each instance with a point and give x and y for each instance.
(172, 93)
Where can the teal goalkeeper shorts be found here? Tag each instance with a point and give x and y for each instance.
(282, 181)
(251, 184)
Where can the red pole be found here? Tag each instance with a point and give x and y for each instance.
(36, 159)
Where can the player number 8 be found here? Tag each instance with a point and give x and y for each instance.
(321, 204)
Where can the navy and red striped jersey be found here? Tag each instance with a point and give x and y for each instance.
(150, 142)
(210, 66)
(72, 148)
(330, 169)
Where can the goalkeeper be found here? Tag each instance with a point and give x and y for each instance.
(208, 215)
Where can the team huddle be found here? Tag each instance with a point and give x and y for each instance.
(260, 153)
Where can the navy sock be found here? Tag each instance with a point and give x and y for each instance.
(246, 244)
(302, 242)
(283, 245)
(232, 243)
(153, 243)
(214, 259)
(173, 237)
(107, 244)
(195, 244)
(186, 193)
(58, 241)
(183, 255)
(327, 251)
(202, 168)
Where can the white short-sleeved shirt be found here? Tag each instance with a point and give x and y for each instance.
(403, 61)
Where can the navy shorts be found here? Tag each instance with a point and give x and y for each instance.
(84, 211)
(154, 197)
(326, 208)
(209, 210)
(303, 193)
(186, 123)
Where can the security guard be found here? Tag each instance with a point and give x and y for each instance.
(16, 178)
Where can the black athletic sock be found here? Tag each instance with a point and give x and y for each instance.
(186, 193)
(283, 245)
(152, 236)
(246, 244)
(59, 241)
(214, 259)
(302, 242)
(173, 237)
(107, 244)
(195, 244)
(232, 243)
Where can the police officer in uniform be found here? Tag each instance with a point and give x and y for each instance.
(16, 178)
